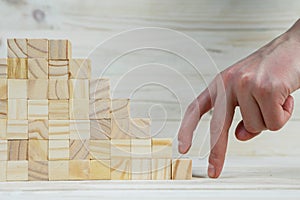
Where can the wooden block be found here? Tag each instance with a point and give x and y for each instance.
(3, 150)
(38, 150)
(100, 129)
(3, 165)
(58, 150)
(17, 68)
(80, 130)
(99, 170)
(38, 68)
(80, 68)
(162, 147)
(37, 89)
(17, 89)
(100, 108)
(17, 48)
(120, 148)
(17, 109)
(3, 89)
(100, 88)
(58, 170)
(161, 169)
(3, 68)
(58, 69)
(38, 109)
(17, 129)
(59, 129)
(3, 109)
(3, 128)
(140, 128)
(79, 89)
(17, 149)
(38, 170)
(79, 109)
(120, 128)
(141, 169)
(79, 150)
(182, 169)
(79, 169)
(58, 89)
(120, 108)
(37, 48)
(17, 170)
(38, 129)
(58, 109)
(60, 49)
(99, 149)
(120, 169)
(141, 148)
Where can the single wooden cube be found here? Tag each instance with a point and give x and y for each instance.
(120, 169)
(37, 48)
(17, 68)
(99, 170)
(100, 129)
(79, 109)
(17, 48)
(17, 89)
(58, 69)
(3, 128)
(58, 170)
(182, 169)
(38, 129)
(120, 148)
(100, 88)
(161, 169)
(79, 169)
(17, 129)
(37, 89)
(17, 109)
(120, 108)
(3, 166)
(17, 170)
(59, 129)
(80, 130)
(3, 109)
(60, 49)
(79, 89)
(58, 89)
(120, 128)
(38, 109)
(141, 148)
(140, 128)
(100, 108)
(59, 150)
(58, 109)
(99, 149)
(3, 150)
(3, 89)
(38, 170)
(80, 68)
(162, 148)
(17, 149)
(141, 169)
(38, 68)
(79, 150)
(38, 150)
(3, 68)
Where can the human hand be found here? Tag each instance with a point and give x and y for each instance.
(260, 85)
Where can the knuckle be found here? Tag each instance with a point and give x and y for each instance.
(275, 125)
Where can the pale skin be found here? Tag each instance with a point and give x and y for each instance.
(260, 85)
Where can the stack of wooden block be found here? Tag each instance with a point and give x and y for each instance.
(56, 123)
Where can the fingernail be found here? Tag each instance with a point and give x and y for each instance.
(211, 171)
(180, 147)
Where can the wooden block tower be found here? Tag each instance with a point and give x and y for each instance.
(56, 123)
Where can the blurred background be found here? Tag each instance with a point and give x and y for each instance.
(228, 29)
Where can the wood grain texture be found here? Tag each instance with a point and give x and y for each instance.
(99, 149)
(120, 128)
(162, 147)
(37, 48)
(181, 169)
(60, 49)
(120, 169)
(17, 170)
(38, 170)
(99, 170)
(17, 109)
(3, 68)
(80, 69)
(79, 89)
(59, 150)
(100, 129)
(79, 169)
(59, 129)
(161, 169)
(79, 109)
(38, 150)
(120, 148)
(38, 129)
(58, 109)
(141, 148)
(140, 128)
(17, 149)
(16, 48)
(38, 68)
(3, 150)
(100, 88)
(17, 68)
(3, 88)
(141, 169)
(3, 165)
(37, 89)
(3, 109)
(58, 170)
(80, 130)
(38, 109)
(99, 108)
(3, 128)
(58, 90)
(17, 89)
(17, 129)
(120, 108)
(79, 150)
(58, 69)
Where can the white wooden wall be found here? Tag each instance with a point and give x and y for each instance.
(228, 29)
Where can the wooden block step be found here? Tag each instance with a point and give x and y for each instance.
(58, 109)
(100, 149)
(38, 150)
(58, 69)
(38, 170)
(100, 129)
(38, 129)
(17, 149)
(58, 170)
(17, 48)
(141, 169)
(17, 89)
(3, 128)
(3, 166)
(162, 147)
(59, 129)
(3, 150)
(3, 68)
(3, 109)
(161, 169)
(80, 68)
(58, 90)
(59, 150)
(79, 150)
(3, 88)
(37, 48)
(17, 68)
(182, 169)
(38, 68)
(37, 89)
(38, 109)
(17, 170)
(120, 169)
(17, 129)
(79, 169)
(17, 109)
(60, 49)
(100, 88)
